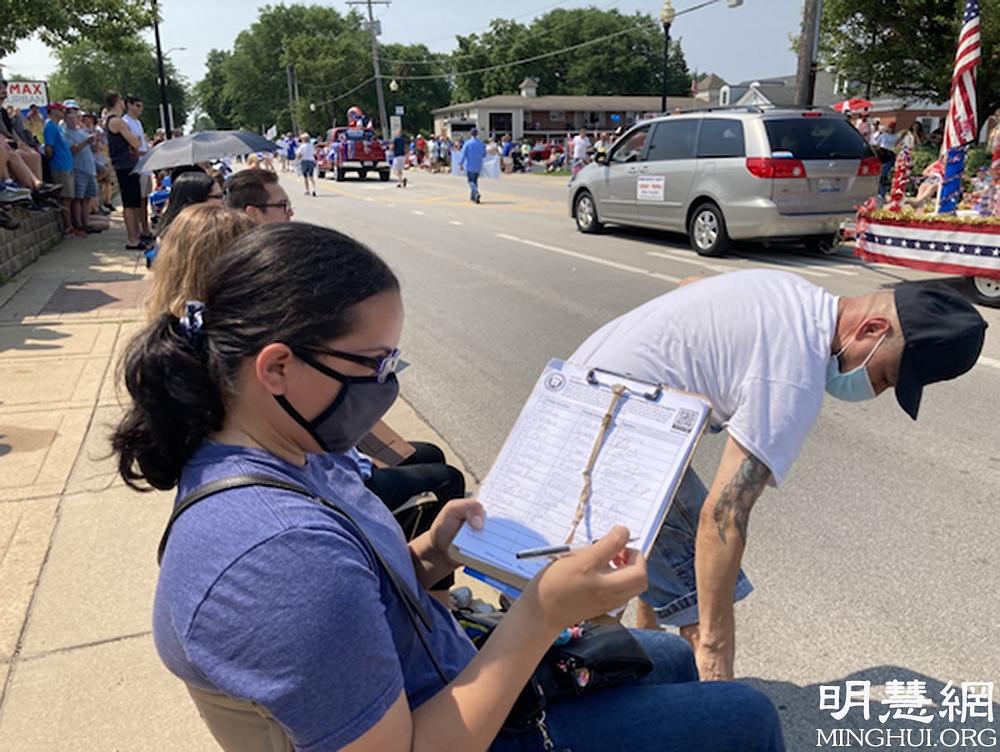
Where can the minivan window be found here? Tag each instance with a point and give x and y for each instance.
(816, 138)
(720, 138)
(630, 149)
(673, 140)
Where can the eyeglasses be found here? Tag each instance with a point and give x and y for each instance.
(383, 365)
(285, 206)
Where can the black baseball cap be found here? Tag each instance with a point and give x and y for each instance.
(943, 335)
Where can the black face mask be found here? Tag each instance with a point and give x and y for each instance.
(362, 401)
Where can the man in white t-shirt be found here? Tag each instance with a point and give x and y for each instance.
(133, 111)
(763, 346)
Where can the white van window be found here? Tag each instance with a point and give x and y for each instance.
(720, 138)
(673, 139)
(630, 149)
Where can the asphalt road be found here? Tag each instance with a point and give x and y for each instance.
(877, 559)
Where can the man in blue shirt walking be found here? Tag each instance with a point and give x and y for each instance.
(471, 158)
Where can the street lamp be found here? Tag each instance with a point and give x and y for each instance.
(667, 16)
(393, 86)
(312, 107)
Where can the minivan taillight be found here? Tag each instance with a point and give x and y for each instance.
(769, 167)
(869, 166)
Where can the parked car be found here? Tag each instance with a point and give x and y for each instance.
(352, 150)
(744, 173)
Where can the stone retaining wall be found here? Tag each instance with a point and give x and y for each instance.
(39, 232)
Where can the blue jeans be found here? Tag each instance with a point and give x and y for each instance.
(672, 591)
(669, 709)
(473, 178)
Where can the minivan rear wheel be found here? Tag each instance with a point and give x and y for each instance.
(585, 213)
(707, 231)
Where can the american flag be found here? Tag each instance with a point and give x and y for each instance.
(962, 121)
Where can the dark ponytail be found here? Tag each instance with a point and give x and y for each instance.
(286, 282)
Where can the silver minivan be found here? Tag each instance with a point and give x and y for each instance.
(744, 173)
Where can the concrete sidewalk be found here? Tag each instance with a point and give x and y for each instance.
(78, 670)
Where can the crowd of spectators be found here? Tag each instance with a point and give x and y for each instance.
(65, 156)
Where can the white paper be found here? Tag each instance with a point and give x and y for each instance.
(650, 187)
(532, 492)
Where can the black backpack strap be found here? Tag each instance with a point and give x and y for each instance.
(413, 607)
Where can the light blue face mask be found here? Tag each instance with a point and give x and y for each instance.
(854, 385)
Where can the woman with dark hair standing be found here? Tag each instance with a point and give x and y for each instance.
(282, 614)
(193, 187)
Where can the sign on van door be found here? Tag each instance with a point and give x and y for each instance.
(650, 187)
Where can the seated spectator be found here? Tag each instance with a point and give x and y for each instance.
(191, 187)
(272, 608)
(61, 164)
(14, 168)
(199, 235)
(259, 194)
(21, 140)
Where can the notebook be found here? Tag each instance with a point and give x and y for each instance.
(532, 494)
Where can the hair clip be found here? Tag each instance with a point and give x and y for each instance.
(193, 321)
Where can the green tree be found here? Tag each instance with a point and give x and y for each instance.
(907, 47)
(628, 62)
(418, 97)
(103, 23)
(210, 92)
(204, 122)
(329, 53)
(86, 71)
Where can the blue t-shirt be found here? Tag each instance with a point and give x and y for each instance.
(83, 160)
(62, 159)
(473, 153)
(265, 595)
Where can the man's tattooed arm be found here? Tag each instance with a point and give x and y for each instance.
(738, 497)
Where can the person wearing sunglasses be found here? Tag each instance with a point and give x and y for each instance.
(259, 194)
(281, 614)
(187, 189)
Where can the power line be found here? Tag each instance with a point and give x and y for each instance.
(511, 64)
(529, 34)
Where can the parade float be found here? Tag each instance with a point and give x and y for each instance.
(354, 148)
(952, 225)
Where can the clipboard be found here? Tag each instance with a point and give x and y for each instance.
(533, 492)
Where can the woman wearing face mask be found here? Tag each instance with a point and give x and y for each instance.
(274, 608)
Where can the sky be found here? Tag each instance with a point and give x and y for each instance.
(742, 43)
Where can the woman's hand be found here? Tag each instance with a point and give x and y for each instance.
(430, 550)
(589, 582)
(450, 520)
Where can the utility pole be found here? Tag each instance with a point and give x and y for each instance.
(805, 77)
(164, 105)
(291, 102)
(373, 26)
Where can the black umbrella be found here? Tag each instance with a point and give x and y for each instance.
(203, 146)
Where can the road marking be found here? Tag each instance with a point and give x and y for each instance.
(418, 212)
(592, 259)
(454, 222)
(799, 267)
(991, 362)
(821, 267)
(687, 259)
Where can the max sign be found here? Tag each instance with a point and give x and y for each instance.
(23, 94)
